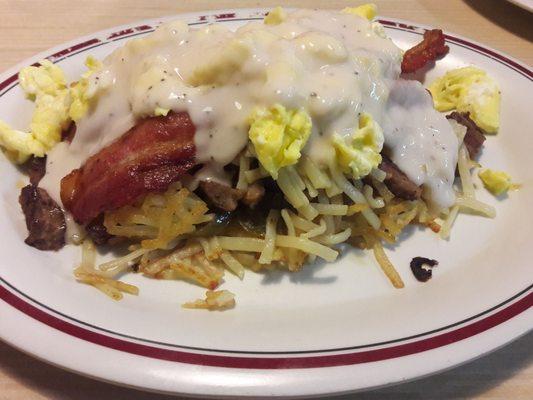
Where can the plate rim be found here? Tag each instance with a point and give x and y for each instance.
(524, 5)
(139, 27)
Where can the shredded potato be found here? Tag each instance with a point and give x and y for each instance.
(270, 238)
(331, 209)
(387, 266)
(319, 230)
(214, 300)
(196, 271)
(160, 219)
(233, 264)
(327, 208)
(88, 273)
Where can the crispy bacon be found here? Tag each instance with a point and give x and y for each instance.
(147, 158)
(427, 50)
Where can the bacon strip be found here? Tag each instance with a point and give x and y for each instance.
(147, 158)
(431, 47)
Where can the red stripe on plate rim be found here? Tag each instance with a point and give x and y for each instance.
(255, 362)
(74, 48)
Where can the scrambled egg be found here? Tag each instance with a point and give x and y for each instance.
(497, 182)
(367, 11)
(471, 90)
(362, 153)
(46, 86)
(55, 106)
(81, 94)
(161, 112)
(278, 136)
(275, 16)
(221, 64)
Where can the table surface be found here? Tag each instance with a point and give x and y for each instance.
(31, 26)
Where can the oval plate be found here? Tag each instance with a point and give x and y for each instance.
(328, 329)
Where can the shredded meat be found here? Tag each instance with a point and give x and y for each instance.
(147, 158)
(68, 134)
(36, 168)
(97, 231)
(417, 267)
(254, 194)
(44, 219)
(474, 136)
(397, 182)
(221, 196)
(274, 199)
(431, 47)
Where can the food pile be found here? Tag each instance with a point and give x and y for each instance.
(205, 150)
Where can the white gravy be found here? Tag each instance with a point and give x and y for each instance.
(333, 65)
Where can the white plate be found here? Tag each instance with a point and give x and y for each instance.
(329, 329)
(525, 4)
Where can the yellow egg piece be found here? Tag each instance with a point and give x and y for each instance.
(470, 90)
(278, 136)
(496, 182)
(361, 152)
(47, 78)
(368, 11)
(80, 94)
(46, 86)
(221, 64)
(18, 145)
(276, 16)
(161, 112)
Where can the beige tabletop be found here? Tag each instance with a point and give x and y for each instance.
(31, 26)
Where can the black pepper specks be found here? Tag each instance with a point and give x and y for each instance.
(422, 268)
